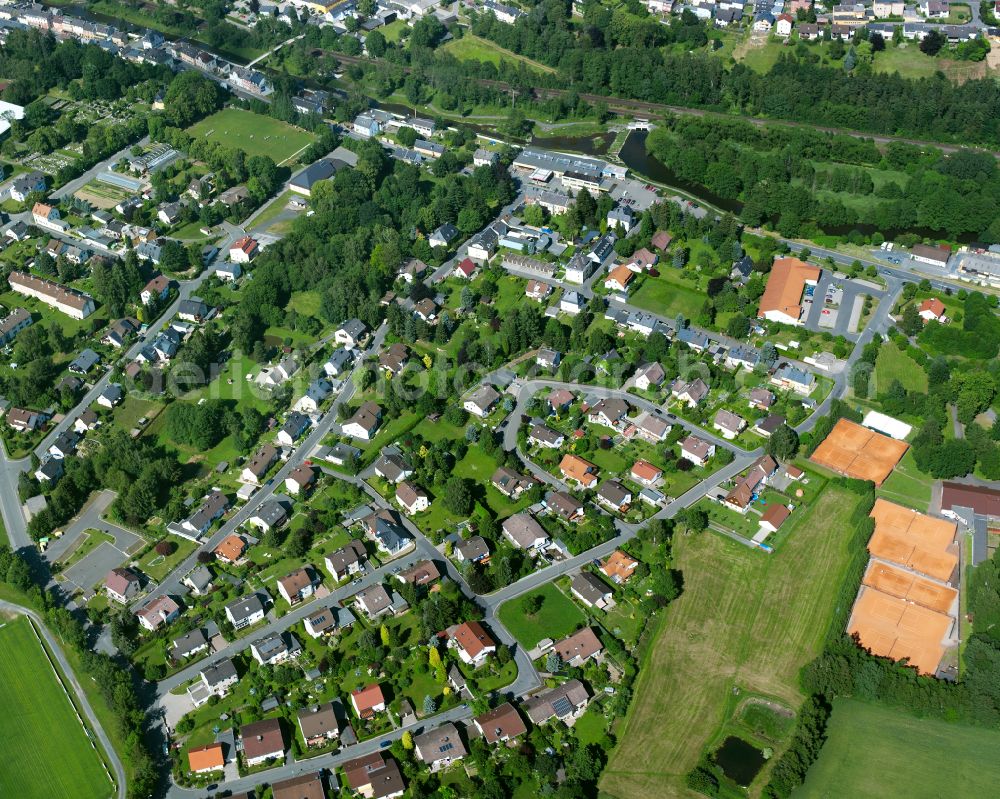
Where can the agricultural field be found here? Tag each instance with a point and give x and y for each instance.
(253, 133)
(472, 48)
(557, 617)
(745, 620)
(39, 727)
(873, 751)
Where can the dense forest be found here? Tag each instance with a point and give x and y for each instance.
(799, 179)
(613, 53)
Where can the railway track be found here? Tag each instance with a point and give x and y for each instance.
(661, 110)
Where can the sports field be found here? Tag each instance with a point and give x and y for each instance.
(253, 133)
(44, 750)
(745, 619)
(875, 752)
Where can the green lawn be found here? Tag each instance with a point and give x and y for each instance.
(253, 133)
(894, 364)
(668, 296)
(471, 48)
(46, 752)
(746, 621)
(879, 753)
(557, 618)
(907, 485)
(132, 409)
(158, 567)
(275, 208)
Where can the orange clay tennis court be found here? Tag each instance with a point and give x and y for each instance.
(902, 584)
(858, 452)
(914, 540)
(894, 628)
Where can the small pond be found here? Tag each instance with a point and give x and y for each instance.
(739, 760)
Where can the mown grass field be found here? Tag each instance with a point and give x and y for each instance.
(253, 133)
(878, 753)
(745, 619)
(471, 48)
(557, 618)
(668, 296)
(894, 364)
(907, 485)
(44, 750)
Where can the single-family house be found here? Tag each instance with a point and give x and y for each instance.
(619, 567)
(245, 611)
(565, 702)
(503, 724)
(121, 585)
(295, 425)
(565, 506)
(482, 401)
(649, 376)
(576, 469)
(690, 393)
(262, 741)
(524, 531)
(230, 549)
(411, 497)
(351, 334)
(439, 747)
(576, 649)
(318, 724)
(475, 550)
(300, 480)
(697, 450)
(728, 423)
(348, 560)
(364, 423)
(543, 436)
(591, 590)
(614, 496)
(368, 701)
(162, 610)
(472, 643)
(299, 585)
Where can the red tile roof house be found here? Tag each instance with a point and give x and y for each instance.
(465, 269)
(932, 310)
(472, 643)
(298, 585)
(318, 724)
(501, 725)
(243, 251)
(121, 585)
(262, 741)
(160, 611)
(203, 759)
(645, 473)
(368, 701)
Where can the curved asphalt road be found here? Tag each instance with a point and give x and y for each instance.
(81, 697)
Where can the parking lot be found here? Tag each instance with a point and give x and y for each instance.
(92, 569)
(834, 305)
